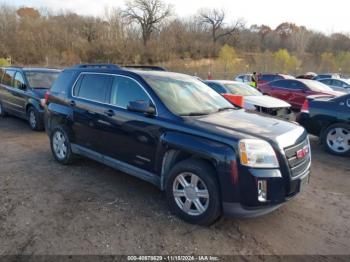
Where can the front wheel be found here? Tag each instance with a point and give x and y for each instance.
(336, 139)
(193, 192)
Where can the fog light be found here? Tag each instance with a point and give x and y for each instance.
(262, 190)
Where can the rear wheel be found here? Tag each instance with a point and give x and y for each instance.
(193, 192)
(61, 146)
(2, 110)
(34, 120)
(336, 139)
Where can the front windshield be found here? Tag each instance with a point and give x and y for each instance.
(184, 95)
(318, 86)
(242, 89)
(41, 79)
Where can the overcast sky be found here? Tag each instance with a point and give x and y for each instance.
(327, 16)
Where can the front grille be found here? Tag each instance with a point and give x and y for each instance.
(298, 166)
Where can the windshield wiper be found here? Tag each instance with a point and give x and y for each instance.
(225, 108)
(196, 114)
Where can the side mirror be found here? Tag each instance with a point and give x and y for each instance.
(22, 86)
(141, 106)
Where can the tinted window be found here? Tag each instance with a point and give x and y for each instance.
(41, 79)
(62, 82)
(19, 80)
(1, 74)
(326, 81)
(295, 85)
(267, 78)
(93, 87)
(217, 88)
(8, 77)
(126, 90)
(281, 83)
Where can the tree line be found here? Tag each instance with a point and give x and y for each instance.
(149, 32)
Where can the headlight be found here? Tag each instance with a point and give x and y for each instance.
(257, 153)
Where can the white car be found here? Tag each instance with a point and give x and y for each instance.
(252, 98)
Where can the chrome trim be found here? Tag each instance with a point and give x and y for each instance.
(7, 102)
(93, 73)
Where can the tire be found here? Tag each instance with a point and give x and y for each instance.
(2, 111)
(36, 123)
(336, 139)
(202, 209)
(61, 146)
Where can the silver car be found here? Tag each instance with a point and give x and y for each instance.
(342, 85)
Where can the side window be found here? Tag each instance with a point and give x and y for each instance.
(295, 85)
(19, 80)
(1, 74)
(8, 77)
(217, 88)
(326, 81)
(126, 90)
(280, 83)
(267, 78)
(93, 87)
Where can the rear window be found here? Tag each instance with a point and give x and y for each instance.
(41, 79)
(8, 77)
(62, 82)
(93, 87)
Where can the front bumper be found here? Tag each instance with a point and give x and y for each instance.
(279, 190)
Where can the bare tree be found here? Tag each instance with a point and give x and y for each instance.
(148, 14)
(215, 19)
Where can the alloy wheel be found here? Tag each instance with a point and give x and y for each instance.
(32, 119)
(191, 194)
(59, 145)
(338, 140)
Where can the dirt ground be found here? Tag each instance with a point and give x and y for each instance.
(87, 208)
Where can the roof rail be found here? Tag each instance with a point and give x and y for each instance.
(102, 66)
(146, 67)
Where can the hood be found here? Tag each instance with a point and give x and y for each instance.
(251, 124)
(40, 92)
(266, 101)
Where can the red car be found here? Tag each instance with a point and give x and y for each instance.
(295, 91)
(266, 78)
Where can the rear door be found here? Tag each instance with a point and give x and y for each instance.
(90, 112)
(298, 93)
(19, 93)
(280, 89)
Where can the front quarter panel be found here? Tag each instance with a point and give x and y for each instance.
(220, 155)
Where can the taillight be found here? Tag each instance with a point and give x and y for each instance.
(45, 100)
(305, 107)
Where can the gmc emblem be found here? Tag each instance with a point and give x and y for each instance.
(303, 152)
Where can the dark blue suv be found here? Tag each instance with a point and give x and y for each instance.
(177, 133)
(21, 92)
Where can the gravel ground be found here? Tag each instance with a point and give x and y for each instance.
(87, 208)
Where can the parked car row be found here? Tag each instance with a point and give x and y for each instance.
(245, 96)
(174, 131)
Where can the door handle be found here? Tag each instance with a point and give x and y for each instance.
(109, 113)
(72, 103)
